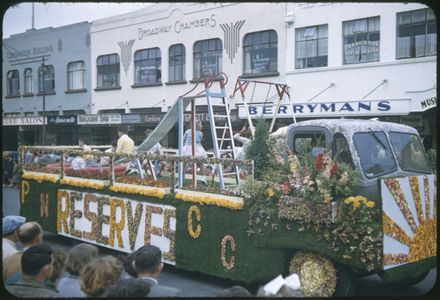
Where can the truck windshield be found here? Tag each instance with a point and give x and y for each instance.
(409, 152)
(374, 153)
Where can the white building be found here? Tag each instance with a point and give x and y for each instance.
(339, 59)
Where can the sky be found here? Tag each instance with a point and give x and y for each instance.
(55, 14)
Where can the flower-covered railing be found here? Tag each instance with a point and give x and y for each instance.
(128, 173)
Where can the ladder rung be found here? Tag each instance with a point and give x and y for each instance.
(217, 95)
(233, 173)
(220, 116)
(225, 150)
(223, 139)
(221, 127)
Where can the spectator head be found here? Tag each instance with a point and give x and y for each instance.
(98, 274)
(79, 256)
(10, 226)
(199, 125)
(148, 260)
(30, 233)
(59, 261)
(37, 262)
(127, 263)
(122, 130)
(235, 292)
(128, 287)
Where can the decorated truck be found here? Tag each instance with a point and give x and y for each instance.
(330, 200)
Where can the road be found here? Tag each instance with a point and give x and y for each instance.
(193, 284)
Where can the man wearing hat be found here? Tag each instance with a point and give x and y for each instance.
(10, 237)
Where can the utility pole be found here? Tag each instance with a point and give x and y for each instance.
(33, 27)
(44, 103)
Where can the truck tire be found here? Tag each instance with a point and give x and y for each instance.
(347, 281)
(317, 274)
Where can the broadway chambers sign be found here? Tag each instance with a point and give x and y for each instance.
(327, 109)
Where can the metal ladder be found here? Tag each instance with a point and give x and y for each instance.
(219, 120)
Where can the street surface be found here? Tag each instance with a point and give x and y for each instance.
(193, 284)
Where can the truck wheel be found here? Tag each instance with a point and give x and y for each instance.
(317, 274)
(347, 281)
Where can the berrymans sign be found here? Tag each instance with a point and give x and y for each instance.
(327, 109)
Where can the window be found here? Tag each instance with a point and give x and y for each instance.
(416, 34)
(310, 143)
(361, 40)
(207, 58)
(311, 47)
(28, 81)
(375, 153)
(13, 83)
(46, 79)
(177, 63)
(75, 75)
(409, 152)
(341, 150)
(147, 66)
(260, 52)
(108, 71)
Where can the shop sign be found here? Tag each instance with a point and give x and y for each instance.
(428, 103)
(178, 26)
(61, 120)
(99, 119)
(18, 121)
(131, 119)
(327, 109)
(152, 119)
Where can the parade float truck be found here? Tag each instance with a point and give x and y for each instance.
(334, 200)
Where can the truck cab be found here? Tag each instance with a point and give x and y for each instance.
(375, 149)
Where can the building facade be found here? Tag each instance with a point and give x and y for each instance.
(364, 60)
(50, 67)
(339, 59)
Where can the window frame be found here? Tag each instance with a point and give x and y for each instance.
(43, 76)
(305, 41)
(13, 83)
(181, 68)
(157, 59)
(217, 53)
(28, 77)
(412, 42)
(117, 68)
(272, 43)
(358, 33)
(70, 74)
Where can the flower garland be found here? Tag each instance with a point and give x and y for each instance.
(210, 200)
(392, 229)
(414, 185)
(357, 201)
(169, 234)
(74, 196)
(191, 232)
(424, 242)
(133, 222)
(228, 265)
(116, 226)
(44, 205)
(24, 190)
(90, 216)
(62, 215)
(394, 259)
(317, 274)
(396, 190)
(102, 219)
(40, 178)
(427, 196)
(144, 191)
(149, 229)
(83, 183)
